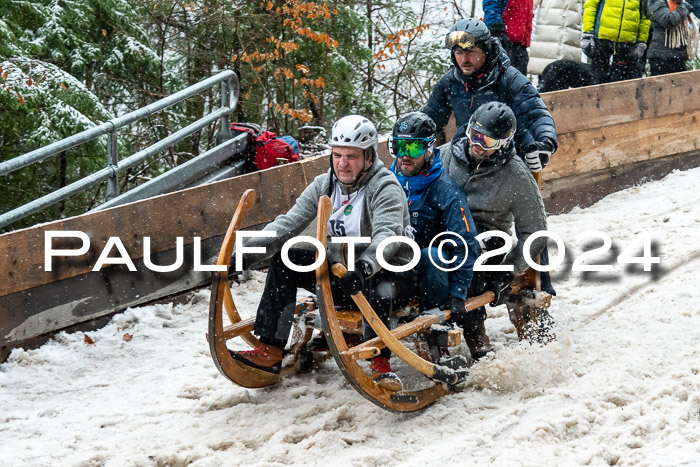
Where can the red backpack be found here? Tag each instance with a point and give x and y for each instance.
(269, 148)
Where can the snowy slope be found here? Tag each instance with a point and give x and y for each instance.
(620, 386)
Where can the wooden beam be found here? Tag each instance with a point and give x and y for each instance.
(624, 143)
(623, 101)
(241, 327)
(196, 212)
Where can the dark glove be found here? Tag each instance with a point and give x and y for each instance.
(354, 281)
(537, 155)
(588, 44)
(458, 312)
(232, 264)
(499, 284)
(638, 50)
(499, 30)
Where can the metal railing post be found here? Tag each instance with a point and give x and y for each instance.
(110, 174)
(225, 101)
(113, 163)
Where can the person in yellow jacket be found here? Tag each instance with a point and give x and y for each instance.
(617, 29)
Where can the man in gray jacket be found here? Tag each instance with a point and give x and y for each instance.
(367, 202)
(500, 192)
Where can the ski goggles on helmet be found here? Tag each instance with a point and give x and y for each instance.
(463, 39)
(484, 141)
(411, 147)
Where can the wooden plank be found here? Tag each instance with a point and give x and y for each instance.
(670, 94)
(624, 101)
(361, 354)
(624, 143)
(350, 321)
(241, 327)
(454, 338)
(593, 106)
(196, 212)
(563, 194)
(32, 312)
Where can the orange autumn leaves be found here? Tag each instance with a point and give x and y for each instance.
(294, 15)
(29, 82)
(393, 44)
(90, 341)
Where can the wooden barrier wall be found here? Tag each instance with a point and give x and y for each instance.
(600, 128)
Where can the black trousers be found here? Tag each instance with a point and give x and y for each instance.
(519, 57)
(624, 65)
(385, 292)
(663, 66)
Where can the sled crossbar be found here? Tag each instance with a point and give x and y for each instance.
(239, 328)
(422, 323)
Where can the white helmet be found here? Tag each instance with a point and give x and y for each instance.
(354, 131)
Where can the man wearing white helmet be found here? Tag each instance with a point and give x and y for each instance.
(367, 202)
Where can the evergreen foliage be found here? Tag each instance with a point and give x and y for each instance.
(68, 65)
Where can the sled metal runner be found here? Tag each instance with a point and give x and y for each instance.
(336, 325)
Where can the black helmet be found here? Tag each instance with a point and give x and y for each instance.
(413, 135)
(492, 126)
(414, 125)
(468, 33)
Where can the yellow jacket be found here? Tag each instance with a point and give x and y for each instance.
(615, 20)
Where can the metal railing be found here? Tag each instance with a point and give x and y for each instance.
(229, 100)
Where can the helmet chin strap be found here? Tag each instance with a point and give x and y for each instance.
(353, 185)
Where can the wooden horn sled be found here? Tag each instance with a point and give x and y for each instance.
(341, 329)
(222, 299)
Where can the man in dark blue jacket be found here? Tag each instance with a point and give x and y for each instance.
(439, 212)
(482, 73)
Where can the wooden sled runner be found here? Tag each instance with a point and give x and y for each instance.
(221, 299)
(337, 325)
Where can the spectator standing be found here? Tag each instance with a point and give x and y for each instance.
(511, 22)
(557, 33)
(617, 29)
(481, 73)
(668, 50)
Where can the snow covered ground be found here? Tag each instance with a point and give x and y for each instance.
(620, 386)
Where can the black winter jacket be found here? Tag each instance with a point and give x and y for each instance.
(663, 19)
(501, 82)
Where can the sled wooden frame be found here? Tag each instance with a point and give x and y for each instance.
(221, 298)
(345, 357)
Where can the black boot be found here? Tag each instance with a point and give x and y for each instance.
(475, 334)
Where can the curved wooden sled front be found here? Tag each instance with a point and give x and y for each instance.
(347, 358)
(221, 298)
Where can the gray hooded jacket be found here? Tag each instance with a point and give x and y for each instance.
(384, 215)
(500, 191)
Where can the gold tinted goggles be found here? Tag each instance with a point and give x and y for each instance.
(463, 39)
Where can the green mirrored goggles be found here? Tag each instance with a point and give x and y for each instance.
(410, 147)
